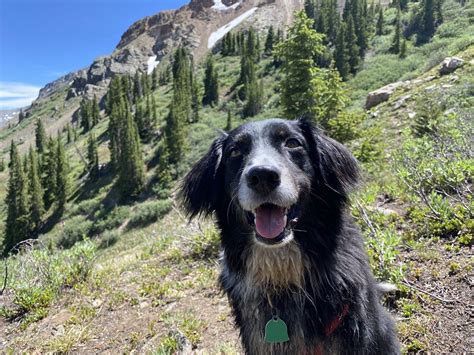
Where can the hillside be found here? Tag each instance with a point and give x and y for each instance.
(110, 276)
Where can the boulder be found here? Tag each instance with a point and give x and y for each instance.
(450, 64)
(381, 95)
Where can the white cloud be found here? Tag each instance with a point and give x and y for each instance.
(15, 95)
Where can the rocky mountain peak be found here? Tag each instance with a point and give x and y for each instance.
(200, 26)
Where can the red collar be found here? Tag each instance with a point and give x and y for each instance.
(330, 328)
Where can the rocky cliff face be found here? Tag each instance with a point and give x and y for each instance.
(199, 25)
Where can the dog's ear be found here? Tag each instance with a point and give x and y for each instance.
(201, 188)
(337, 167)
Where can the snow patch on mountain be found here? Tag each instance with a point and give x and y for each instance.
(220, 6)
(152, 64)
(221, 32)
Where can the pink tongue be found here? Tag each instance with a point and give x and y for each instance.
(270, 221)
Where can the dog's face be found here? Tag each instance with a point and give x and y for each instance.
(263, 175)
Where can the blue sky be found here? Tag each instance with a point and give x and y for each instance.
(41, 40)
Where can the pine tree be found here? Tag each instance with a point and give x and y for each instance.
(427, 26)
(61, 176)
(49, 173)
(40, 135)
(180, 109)
(35, 190)
(310, 9)
(211, 83)
(21, 116)
(228, 126)
(352, 47)
(85, 115)
(2, 165)
(269, 41)
(298, 52)
(137, 87)
(92, 157)
(69, 133)
(95, 111)
(341, 57)
(154, 79)
(17, 221)
(395, 47)
(132, 169)
(403, 49)
(379, 26)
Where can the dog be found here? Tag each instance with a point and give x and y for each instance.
(294, 266)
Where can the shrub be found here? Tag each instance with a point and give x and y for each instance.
(437, 170)
(37, 275)
(149, 212)
(346, 126)
(108, 220)
(75, 230)
(87, 207)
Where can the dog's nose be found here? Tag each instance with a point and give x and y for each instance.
(263, 179)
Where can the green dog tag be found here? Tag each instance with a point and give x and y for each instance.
(276, 331)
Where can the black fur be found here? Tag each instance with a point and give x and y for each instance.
(337, 271)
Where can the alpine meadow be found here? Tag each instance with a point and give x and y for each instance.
(97, 254)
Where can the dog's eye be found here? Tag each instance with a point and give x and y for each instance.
(235, 152)
(292, 143)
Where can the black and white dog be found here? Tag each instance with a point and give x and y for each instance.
(294, 265)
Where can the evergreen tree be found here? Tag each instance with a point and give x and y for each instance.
(69, 133)
(269, 41)
(298, 52)
(427, 22)
(341, 56)
(86, 115)
(35, 190)
(132, 169)
(40, 135)
(228, 126)
(211, 83)
(180, 109)
(310, 9)
(154, 79)
(352, 47)
(92, 157)
(379, 26)
(137, 87)
(403, 49)
(395, 47)
(17, 221)
(95, 111)
(49, 173)
(116, 106)
(21, 116)
(2, 165)
(61, 176)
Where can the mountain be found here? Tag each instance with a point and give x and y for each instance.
(199, 26)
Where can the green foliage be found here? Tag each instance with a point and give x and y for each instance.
(40, 135)
(38, 275)
(75, 230)
(92, 157)
(35, 191)
(17, 222)
(300, 83)
(149, 212)
(345, 126)
(61, 177)
(49, 169)
(211, 83)
(436, 170)
(180, 113)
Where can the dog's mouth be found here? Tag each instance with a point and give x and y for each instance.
(273, 223)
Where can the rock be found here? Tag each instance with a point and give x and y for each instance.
(401, 102)
(450, 64)
(381, 95)
(411, 114)
(430, 88)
